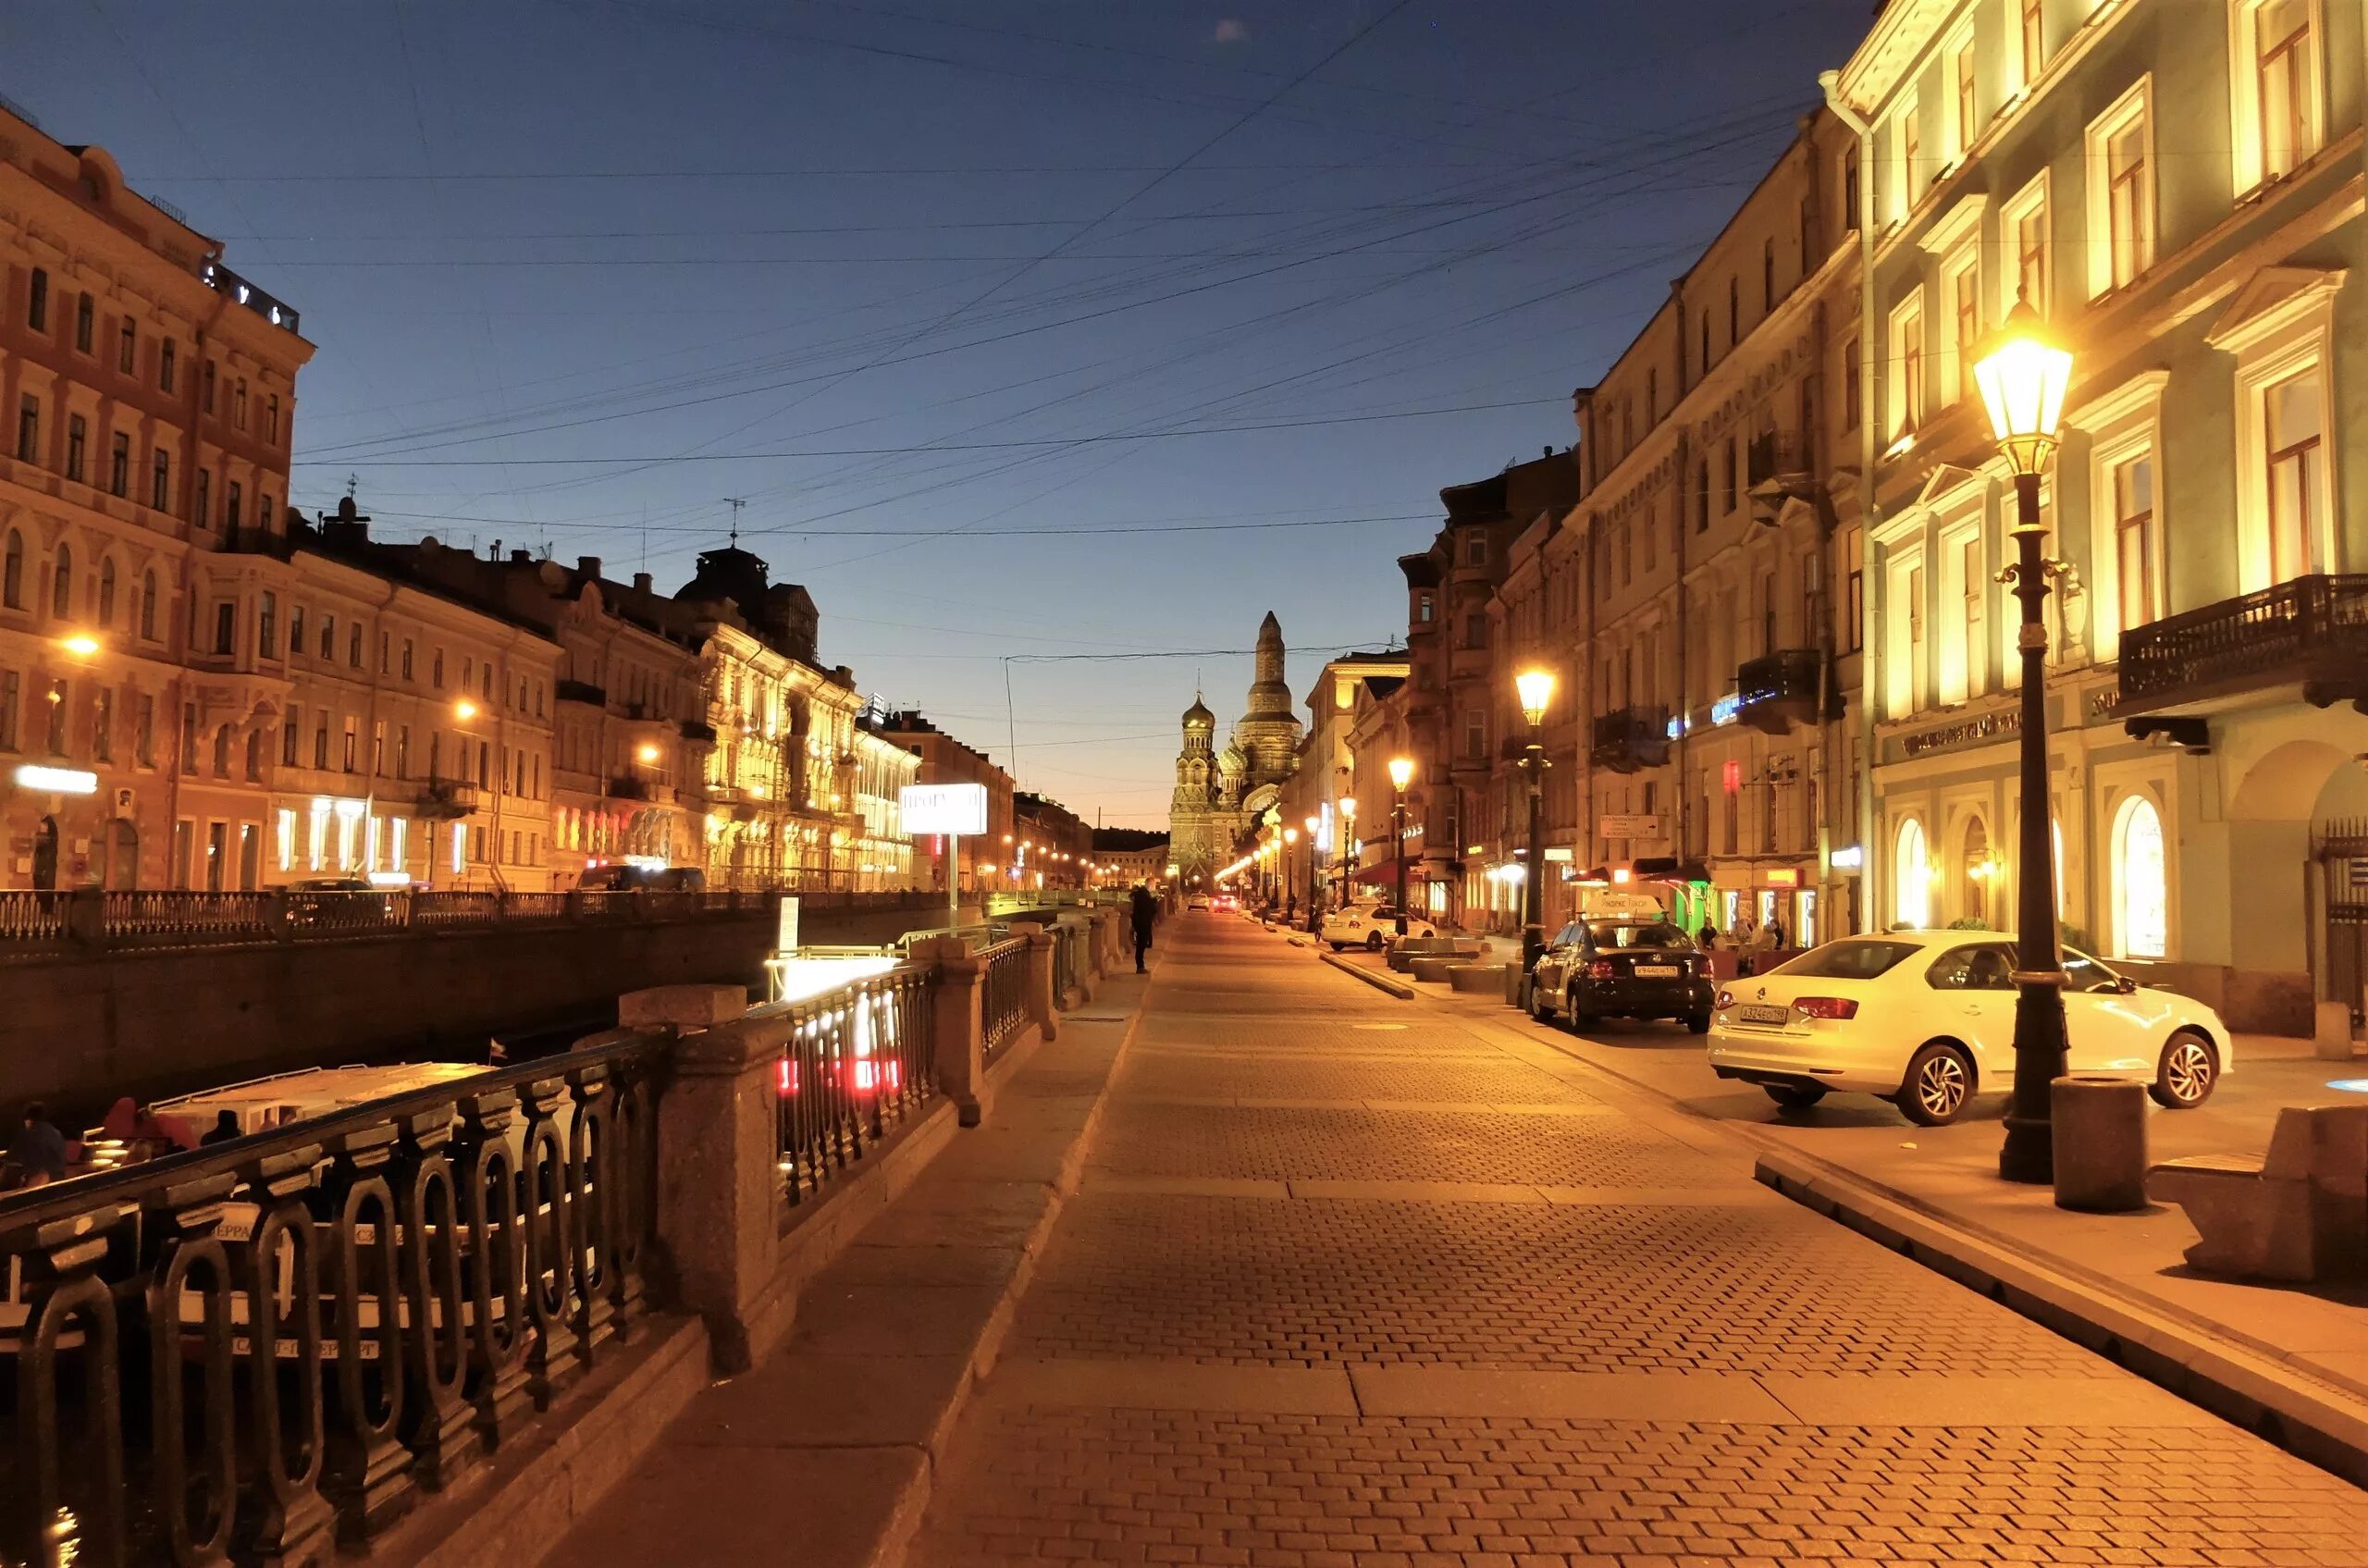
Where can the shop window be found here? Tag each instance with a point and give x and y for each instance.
(2142, 892)
(1912, 878)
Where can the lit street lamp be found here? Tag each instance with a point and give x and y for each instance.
(1402, 773)
(1290, 889)
(1315, 877)
(2023, 378)
(1348, 843)
(1537, 689)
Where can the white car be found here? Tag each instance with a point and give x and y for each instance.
(1198, 904)
(1371, 926)
(1926, 1020)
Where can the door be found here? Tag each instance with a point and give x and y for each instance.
(123, 854)
(1973, 997)
(250, 856)
(217, 854)
(2111, 1031)
(45, 855)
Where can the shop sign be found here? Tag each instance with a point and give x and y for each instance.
(1780, 876)
(1558, 855)
(2006, 721)
(960, 809)
(1849, 857)
(1627, 824)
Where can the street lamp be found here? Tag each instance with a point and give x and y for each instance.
(1537, 689)
(1291, 890)
(1348, 838)
(1402, 773)
(1315, 876)
(2023, 378)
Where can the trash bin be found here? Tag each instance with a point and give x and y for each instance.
(2098, 1125)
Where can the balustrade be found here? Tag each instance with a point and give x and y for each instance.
(1004, 1007)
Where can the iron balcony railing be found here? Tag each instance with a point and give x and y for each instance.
(1630, 739)
(2310, 631)
(246, 1352)
(1777, 691)
(1003, 996)
(857, 1062)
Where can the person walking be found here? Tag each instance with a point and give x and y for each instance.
(225, 1127)
(1145, 910)
(1772, 933)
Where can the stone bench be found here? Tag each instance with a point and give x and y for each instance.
(1432, 968)
(2300, 1213)
(1465, 948)
(1488, 979)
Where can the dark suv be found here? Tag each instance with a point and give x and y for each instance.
(1624, 969)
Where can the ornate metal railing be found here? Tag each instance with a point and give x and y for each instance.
(857, 1061)
(1780, 689)
(1630, 739)
(445, 911)
(154, 918)
(243, 1351)
(316, 915)
(1066, 954)
(2312, 630)
(1004, 993)
(33, 919)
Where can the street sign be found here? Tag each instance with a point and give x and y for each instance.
(958, 808)
(1623, 824)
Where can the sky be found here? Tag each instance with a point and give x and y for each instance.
(1050, 343)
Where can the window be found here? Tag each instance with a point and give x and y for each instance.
(2294, 422)
(1423, 612)
(1702, 496)
(255, 755)
(78, 436)
(2136, 553)
(1475, 733)
(107, 592)
(1908, 368)
(1734, 313)
(2121, 193)
(267, 626)
(437, 670)
(1850, 187)
(295, 631)
(127, 355)
(1850, 404)
(222, 752)
(2142, 892)
(1705, 343)
(148, 606)
(119, 465)
(12, 571)
(29, 430)
(384, 643)
(403, 752)
(2023, 225)
(1475, 630)
(2275, 95)
(85, 322)
(143, 730)
(292, 736)
(271, 418)
(2030, 51)
(37, 303)
(61, 586)
(239, 403)
(60, 710)
(160, 479)
(1965, 310)
(1768, 276)
(354, 645)
(379, 747)
(329, 636)
(225, 626)
(1911, 879)
(1907, 142)
(1476, 549)
(165, 365)
(321, 742)
(1974, 584)
(11, 684)
(204, 508)
(350, 739)
(205, 386)
(1965, 113)
(102, 725)
(232, 504)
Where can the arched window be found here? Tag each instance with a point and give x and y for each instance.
(61, 587)
(2141, 889)
(1979, 869)
(12, 571)
(107, 592)
(148, 606)
(1912, 878)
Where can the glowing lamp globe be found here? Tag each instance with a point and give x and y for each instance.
(1537, 689)
(1402, 772)
(2023, 375)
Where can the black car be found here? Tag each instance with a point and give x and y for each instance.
(1622, 968)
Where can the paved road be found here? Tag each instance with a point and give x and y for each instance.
(1351, 1283)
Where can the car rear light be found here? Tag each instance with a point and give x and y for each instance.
(1726, 998)
(1600, 970)
(1825, 1007)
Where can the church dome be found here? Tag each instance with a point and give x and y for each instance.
(1199, 716)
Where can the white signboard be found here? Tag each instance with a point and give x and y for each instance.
(960, 809)
(787, 938)
(1628, 826)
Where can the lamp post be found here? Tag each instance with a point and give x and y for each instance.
(1537, 689)
(1290, 889)
(2023, 376)
(1402, 773)
(1348, 843)
(1315, 876)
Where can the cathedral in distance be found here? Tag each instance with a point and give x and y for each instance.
(1220, 795)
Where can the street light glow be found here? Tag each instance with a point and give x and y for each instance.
(648, 753)
(2023, 376)
(81, 645)
(1402, 772)
(464, 710)
(1537, 689)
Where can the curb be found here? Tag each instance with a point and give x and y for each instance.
(2246, 1387)
(1397, 988)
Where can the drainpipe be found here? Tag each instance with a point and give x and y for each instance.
(1870, 858)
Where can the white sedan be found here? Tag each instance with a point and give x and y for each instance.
(1926, 1020)
(1371, 927)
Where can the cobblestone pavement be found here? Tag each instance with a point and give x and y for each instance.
(1350, 1284)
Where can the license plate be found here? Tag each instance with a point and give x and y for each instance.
(1657, 971)
(1757, 1012)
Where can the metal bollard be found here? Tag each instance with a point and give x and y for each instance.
(2099, 1128)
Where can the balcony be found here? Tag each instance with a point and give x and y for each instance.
(698, 731)
(625, 787)
(444, 800)
(1631, 740)
(580, 691)
(1783, 461)
(2310, 633)
(1779, 690)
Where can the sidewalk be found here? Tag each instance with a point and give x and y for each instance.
(2317, 1334)
(824, 1452)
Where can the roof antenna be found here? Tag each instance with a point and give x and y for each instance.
(735, 503)
(351, 482)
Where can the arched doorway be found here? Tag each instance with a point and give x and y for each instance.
(45, 855)
(1978, 872)
(2141, 883)
(1912, 878)
(123, 854)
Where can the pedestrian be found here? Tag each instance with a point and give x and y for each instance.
(37, 1153)
(1145, 910)
(1774, 934)
(225, 1127)
(1708, 936)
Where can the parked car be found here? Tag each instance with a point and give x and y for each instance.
(1926, 1020)
(621, 878)
(1372, 926)
(1622, 968)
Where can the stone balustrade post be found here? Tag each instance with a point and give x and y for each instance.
(719, 1185)
(957, 1022)
(86, 918)
(275, 917)
(1079, 931)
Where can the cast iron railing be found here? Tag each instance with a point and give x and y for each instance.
(2312, 630)
(1777, 691)
(1004, 993)
(857, 1061)
(239, 1352)
(1630, 739)
(154, 918)
(1066, 955)
(33, 919)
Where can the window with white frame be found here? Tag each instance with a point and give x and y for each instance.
(2128, 580)
(2030, 40)
(1973, 626)
(2286, 483)
(1965, 113)
(1904, 633)
(2137, 540)
(1907, 145)
(1907, 366)
(1963, 282)
(2121, 192)
(2141, 883)
(1960, 564)
(1911, 877)
(2275, 93)
(2023, 237)
(2293, 420)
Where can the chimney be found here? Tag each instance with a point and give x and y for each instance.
(589, 565)
(521, 557)
(641, 583)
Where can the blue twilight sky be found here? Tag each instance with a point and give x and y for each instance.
(990, 271)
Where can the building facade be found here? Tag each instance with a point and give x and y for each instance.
(2181, 199)
(977, 865)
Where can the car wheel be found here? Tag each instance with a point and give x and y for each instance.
(1373, 942)
(1582, 1019)
(2188, 1073)
(1699, 1023)
(1793, 1096)
(1541, 1003)
(1334, 946)
(1939, 1082)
